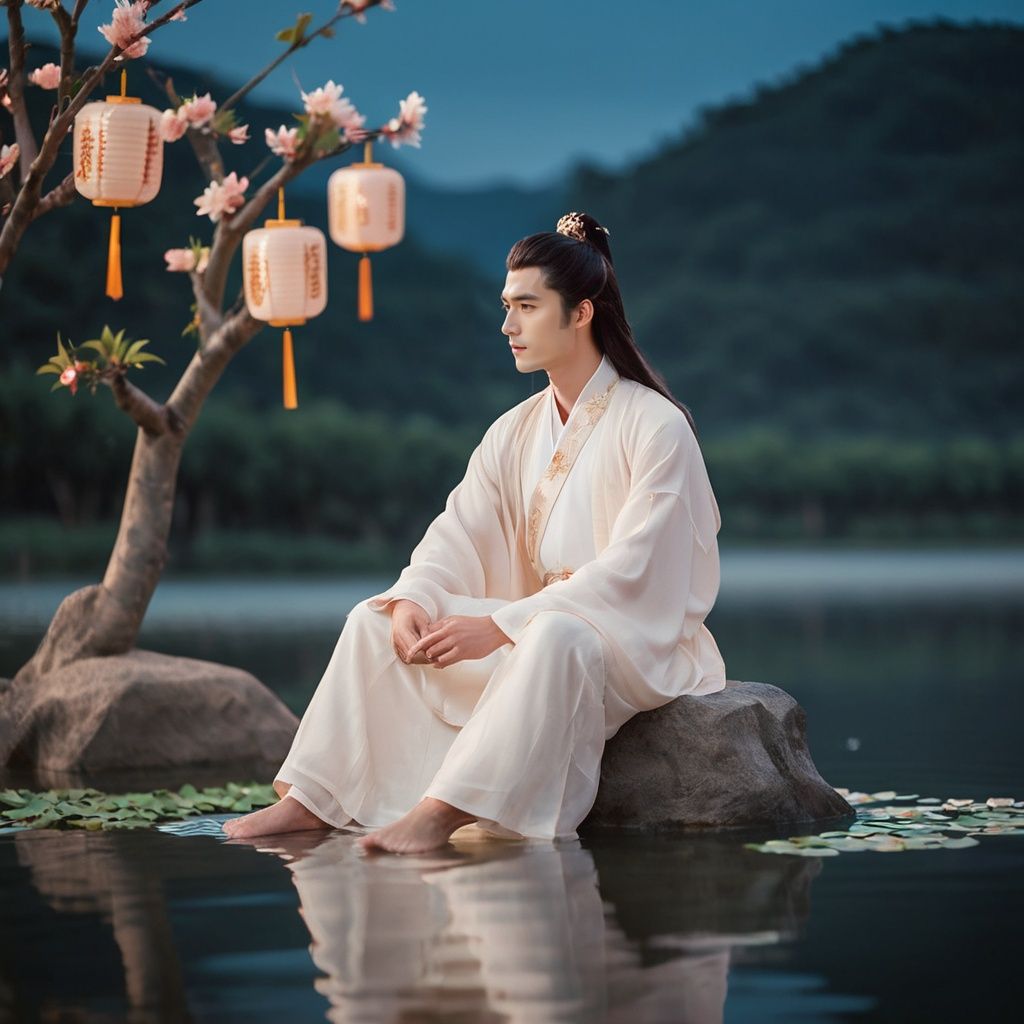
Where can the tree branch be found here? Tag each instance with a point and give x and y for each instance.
(210, 317)
(22, 213)
(76, 14)
(155, 419)
(68, 28)
(61, 195)
(27, 145)
(205, 368)
(323, 30)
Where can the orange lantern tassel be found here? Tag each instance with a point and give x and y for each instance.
(114, 289)
(291, 400)
(365, 289)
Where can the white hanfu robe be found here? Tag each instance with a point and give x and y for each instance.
(592, 545)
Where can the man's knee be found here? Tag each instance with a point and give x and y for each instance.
(565, 630)
(363, 615)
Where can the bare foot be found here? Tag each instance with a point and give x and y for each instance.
(281, 788)
(286, 815)
(426, 827)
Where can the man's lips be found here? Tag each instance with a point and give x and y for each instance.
(517, 348)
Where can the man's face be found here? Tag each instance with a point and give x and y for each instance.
(534, 324)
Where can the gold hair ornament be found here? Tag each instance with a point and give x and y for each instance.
(571, 224)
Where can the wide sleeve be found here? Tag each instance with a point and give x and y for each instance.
(650, 589)
(464, 549)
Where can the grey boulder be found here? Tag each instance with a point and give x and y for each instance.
(141, 710)
(732, 759)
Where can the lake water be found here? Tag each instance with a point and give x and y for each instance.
(908, 665)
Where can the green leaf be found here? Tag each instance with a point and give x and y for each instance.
(959, 844)
(223, 121)
(44, 820)
(145, 357)
(135, 348)
(49, 368)
(296, 32)
(36, 806)
(328, 141)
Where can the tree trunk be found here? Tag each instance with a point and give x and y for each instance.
(105, 618)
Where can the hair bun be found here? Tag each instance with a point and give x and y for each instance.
(585, 228)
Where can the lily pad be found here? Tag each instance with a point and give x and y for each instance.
(91, 810)
(959, 844)
(929, 825)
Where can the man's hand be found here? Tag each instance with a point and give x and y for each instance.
(459, 638)
(408, 623)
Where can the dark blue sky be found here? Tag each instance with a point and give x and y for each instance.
(517, 91)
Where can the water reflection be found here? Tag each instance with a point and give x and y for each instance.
(484, 930)
(526, 931)
(77, 873)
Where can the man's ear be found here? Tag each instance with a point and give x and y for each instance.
(584, 313)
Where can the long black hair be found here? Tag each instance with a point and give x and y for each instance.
(581, 269)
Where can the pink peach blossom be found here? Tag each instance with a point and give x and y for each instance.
(222, 198)
(180, 259)
(352, 120)
(69, 378)
(198, 110)
(326, 103)
(358, 6)
(178, 15)
(282, 142)
(406, 128)
(239, 134)
(8, 157)
(46, 77)
(172, 125)
(126, 22)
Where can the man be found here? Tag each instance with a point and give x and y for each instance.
(563, 589)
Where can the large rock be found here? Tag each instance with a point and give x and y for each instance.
(142, 710)
(736, 758)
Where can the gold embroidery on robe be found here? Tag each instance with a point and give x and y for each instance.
(557, 574)
(550, 484)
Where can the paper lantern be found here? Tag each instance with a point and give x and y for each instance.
(366, 213)
(284, 273)
(118, 162)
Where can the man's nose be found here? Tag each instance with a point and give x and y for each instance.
(509, 327)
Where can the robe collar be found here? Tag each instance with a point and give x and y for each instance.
(599, 382)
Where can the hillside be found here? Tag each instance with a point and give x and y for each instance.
(838, 255)
(842, 253)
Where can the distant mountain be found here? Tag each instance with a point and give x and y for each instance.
(840, 254)
(843, 252)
